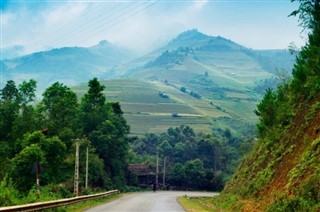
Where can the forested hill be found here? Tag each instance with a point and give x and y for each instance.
(282, 173)
(68, 65)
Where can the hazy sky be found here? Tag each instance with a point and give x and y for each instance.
(30, 25)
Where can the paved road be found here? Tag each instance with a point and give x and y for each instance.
(160, 201)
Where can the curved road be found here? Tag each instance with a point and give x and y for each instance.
(161, 201)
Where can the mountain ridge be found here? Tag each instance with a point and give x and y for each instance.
(214, 72)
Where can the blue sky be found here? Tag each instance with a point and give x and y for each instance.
(30, 25)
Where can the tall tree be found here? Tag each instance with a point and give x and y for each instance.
(9, 109)
(306, 74)
(26, 121)
(61, 108)
(93, 105)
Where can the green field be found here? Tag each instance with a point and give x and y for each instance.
(146, 111)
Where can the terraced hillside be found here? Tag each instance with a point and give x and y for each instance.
(146, 111)
(210, 80)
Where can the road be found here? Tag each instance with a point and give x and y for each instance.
(160, 201)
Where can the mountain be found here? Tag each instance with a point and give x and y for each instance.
(212, 70)
(69, 65)
(210, 80)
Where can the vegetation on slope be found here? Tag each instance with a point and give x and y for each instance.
(283, 172)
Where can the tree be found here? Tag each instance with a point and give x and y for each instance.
(183, 89)
(23, 165)
(306, 74)
(266, 110)
(93, 105)
(9, 92)
(54, 153)
(9, 110)
(26, 121)
(27, 91)
(111, 143)
(194, 171)
(61, 108)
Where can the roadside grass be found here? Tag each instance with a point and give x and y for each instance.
(82, 206)
(220, 203)
(190, 204)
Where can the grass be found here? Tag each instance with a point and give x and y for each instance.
(147, 112)
(221, 203)
(81, 206)
(190, 204)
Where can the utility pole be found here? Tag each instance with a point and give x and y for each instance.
(164, 173)
(87, 166)
(157, 171)
(37, 180)
(76, 170)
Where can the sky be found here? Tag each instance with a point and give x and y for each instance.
(36, 25)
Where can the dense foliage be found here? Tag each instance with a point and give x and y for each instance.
(284, 167)
(193, 161)
(45, 132)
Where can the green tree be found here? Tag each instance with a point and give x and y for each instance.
(93, 105)
(194, 171)
(111, 143)
(266, 110)
(54, 153)
(27, 91)
(183, 89)
(306, 75)
(61, 108)
(23, 165)
(9, 112)
(9, 92)
(165, 148)
(26, 121)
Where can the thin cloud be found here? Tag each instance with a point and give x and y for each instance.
(141, 27)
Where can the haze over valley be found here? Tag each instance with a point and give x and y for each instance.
(115, 98)
(208, 79)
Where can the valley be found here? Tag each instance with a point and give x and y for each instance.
(210, 81)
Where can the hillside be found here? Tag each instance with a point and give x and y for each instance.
(69, 65)
(282, 172)
(213, 77)
(214, 70)
(214, 67)
(198, 45)
(146, 111)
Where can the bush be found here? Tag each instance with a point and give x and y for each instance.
(290, 205)
(8, 193)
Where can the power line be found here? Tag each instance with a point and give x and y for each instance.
(40, 40)
(122, 17)
(85, 24)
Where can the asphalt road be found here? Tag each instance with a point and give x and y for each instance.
(160, 201)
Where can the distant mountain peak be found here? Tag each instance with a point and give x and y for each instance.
(191, 35)
(198, 40)
(104, 43)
